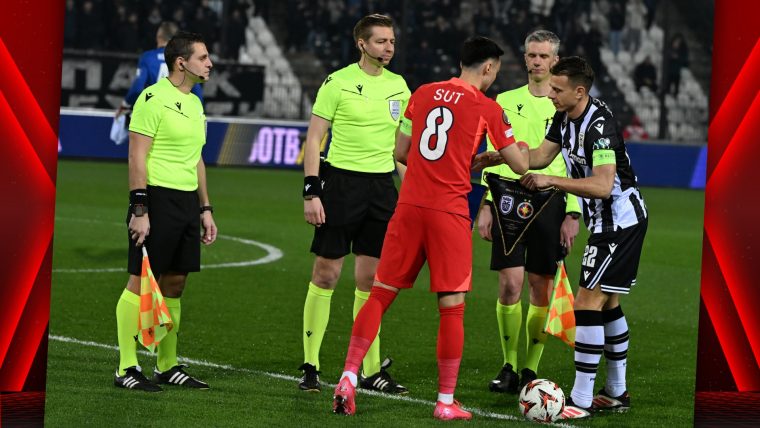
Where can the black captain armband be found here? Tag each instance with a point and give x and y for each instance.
(138, 197)
(312, 187)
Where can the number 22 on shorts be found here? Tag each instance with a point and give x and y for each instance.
(589, 254)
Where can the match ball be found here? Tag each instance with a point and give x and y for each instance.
(542, 400)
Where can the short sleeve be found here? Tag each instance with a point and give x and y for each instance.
(554, 134)
(406, 118)
(600, 141)
(405, 101)
(498, 127)
(146, 114)
(328, 98)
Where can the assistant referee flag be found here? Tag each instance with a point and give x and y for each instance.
(154, 321)
(560, 321)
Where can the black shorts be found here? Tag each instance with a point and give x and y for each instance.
(539, 249)
(611, 259)
(358, 207)
(174, 241)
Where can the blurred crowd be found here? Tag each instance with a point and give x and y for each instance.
(431, 31)
(130, 26)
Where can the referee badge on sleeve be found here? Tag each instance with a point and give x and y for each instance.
(395, 108)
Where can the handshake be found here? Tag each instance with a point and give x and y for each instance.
(489, 159)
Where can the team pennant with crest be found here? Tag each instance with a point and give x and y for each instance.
(154, 320)
(516, 207)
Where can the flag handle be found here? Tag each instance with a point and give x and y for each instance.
(144, 251)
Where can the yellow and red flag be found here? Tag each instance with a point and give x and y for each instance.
(560, 321)
(154, 321)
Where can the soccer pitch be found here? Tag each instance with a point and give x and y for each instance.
(242, 315)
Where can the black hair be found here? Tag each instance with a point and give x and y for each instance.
(181, 46)
(478, 49)
(577, 70)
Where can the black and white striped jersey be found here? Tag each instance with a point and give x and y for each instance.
(594, 130)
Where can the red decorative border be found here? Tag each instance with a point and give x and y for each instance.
(30, 54)
(729, 346)
(28, 124)
(728, 355)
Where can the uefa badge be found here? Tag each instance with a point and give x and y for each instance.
(506, 204)
(525, 210)
(395, 108)
(602, 144)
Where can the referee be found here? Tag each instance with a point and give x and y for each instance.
(152, 67)
(351, 198)
(552, 233)
(168, 204)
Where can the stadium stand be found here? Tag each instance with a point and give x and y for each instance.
(298, 42)
(282, 90)
(686, 110)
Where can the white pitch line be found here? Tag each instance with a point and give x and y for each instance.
(204, 363)
(273, 253)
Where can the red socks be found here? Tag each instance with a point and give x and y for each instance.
(450, 345)
(366, 326)
(450, 337)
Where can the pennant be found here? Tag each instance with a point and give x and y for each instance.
(154, 320)
(560, 320)
(516, 207)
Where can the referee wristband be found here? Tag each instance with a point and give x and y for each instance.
(207, 208)
(488, 202)
(312, 187)
(138, 197)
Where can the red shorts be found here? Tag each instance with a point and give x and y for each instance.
(416, 234)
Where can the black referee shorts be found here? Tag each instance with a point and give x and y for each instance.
(174, 242)
(539, 249)
(358, 207)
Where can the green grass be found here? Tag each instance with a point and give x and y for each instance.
(248, 319)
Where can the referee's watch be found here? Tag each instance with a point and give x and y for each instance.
(139, 210)
(207, 208)
(574, 215)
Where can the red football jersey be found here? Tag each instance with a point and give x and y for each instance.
(449, 120)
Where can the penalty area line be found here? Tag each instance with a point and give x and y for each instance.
(226, 367)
